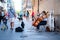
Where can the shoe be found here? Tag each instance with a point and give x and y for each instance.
(11, 28)
(7, 27)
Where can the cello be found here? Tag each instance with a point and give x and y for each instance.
(38, 20)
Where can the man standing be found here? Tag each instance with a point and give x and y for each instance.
(32, 16)
(11, 13)
(27, 13)
(1, 14)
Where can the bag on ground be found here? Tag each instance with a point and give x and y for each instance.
(18, 29)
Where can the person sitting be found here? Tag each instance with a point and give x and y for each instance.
(44, 21)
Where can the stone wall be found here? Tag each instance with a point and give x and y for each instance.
(57, 12)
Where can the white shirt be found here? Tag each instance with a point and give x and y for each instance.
(45, 19)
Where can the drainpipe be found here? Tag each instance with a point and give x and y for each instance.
(38, 5)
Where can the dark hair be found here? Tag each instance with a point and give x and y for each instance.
(45, 12)
(27, 10)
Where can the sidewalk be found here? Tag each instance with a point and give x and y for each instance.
(29, 33)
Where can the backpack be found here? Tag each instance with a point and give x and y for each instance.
(18, 29)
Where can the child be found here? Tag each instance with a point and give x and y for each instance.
(22, 24)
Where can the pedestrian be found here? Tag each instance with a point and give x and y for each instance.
(24, 14)
(27, 13)
(11, 13)
(5, 21)
(21, 15)
(5, 18)
(1, 14)
(32, 16)
(22, 24)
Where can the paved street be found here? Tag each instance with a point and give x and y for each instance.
(29, 33)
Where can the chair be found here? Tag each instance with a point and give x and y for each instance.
(42, 25)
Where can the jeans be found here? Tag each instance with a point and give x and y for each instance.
(41, 23)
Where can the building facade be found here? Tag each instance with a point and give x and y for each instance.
(27, 5)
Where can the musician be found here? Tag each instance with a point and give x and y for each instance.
(44, 21)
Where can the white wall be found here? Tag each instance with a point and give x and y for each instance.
(57, 12)
(47, 5)
(57, 7)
